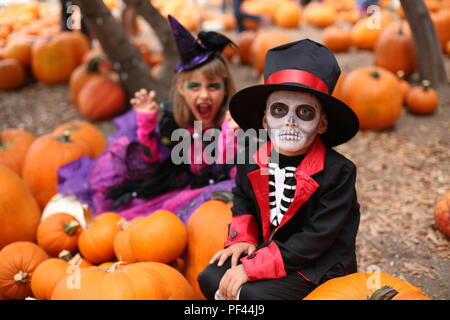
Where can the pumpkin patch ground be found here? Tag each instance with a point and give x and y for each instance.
(402, 170)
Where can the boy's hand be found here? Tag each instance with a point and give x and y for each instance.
(145, 102)
(231, 281)
(235, 251)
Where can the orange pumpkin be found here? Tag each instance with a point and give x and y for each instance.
(337, 39)
(404, 84)
(86, 131)
(18, 261)
(151, 241)
(441, 21)
(394, 49)
(96, 243)
(122, 249)
(19, 212)
(244, 43)
(77, 41)
(264, 41)
(14, 145)
(45, 156)
(12, 74)
(288, 15)
(101, 98)
(375, 96)
(116, 283)
(442, 214)
(337, 92)
(207, 231)
(364, 37)
(19, 49)
(46, 276)
(52, 61)
(320, 14)
(81, 75)
(177, 287)
(58, 232)
(355, 287)
(422, 99)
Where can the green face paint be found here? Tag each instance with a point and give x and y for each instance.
(215, 86)
(192, 85)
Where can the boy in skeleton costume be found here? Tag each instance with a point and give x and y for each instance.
(295, 213)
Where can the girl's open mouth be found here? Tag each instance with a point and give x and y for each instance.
(204, 109)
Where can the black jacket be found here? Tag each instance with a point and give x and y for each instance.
(317, 233)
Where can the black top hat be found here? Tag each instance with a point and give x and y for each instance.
(305, 66)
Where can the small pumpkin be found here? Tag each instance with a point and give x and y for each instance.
(337, 92)
(96, 243)
(207, 231)
(18, 261)
(442, 214)
(59, 232)
(19, 49)
(77, 41)
(86, 131)
(263, 42)
(337, 39)
(46, 276)
(288, 14)
(177, 287)
(118, 282)
(45, 156)
(12, 74)
(244, 43)
(404, 84)
(355, 287)
(394, 49)
(14, 145)
(19, 210)
(52, 61)
(101, 98)
(122, 249)
(320, 15)
(422, 99)
(375, 96)
(151, 241)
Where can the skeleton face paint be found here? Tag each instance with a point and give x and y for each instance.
(293, 120)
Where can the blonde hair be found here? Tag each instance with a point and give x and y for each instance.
(216, 68)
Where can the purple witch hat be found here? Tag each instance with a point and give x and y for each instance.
(195, 52)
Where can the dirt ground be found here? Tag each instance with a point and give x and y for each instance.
(401, 173)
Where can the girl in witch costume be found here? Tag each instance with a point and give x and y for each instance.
(295, 213)
(136, 175)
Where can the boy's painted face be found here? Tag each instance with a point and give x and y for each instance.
(203, 96)
(293, 120)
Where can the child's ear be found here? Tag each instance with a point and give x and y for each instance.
(323, 124)
(264, 122)
(180, 85)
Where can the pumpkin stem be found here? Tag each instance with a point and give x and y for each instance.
(65, 255)
(114, 266)
(65, 137)
(384, 293)
(375, 74)
(88, 215)
(224, 196)
(426, 84)
(123, 224)
(93, 64)
(401, 74)
(21, 277)
(4, 145)
(71, 227)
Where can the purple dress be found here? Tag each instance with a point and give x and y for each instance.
(89, 179)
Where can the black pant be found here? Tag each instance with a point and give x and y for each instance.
(291, 287)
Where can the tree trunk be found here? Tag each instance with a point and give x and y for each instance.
(134, 73)
(428, 49)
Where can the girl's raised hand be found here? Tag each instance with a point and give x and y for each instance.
(144, 101)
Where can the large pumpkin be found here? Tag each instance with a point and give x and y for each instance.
(161, 237)
(18, 261)
(264, 41)
(45, 156)
(96, 243)
(52, 61)
(81, 75)
(47, 275)
(101, 98)
(128, 282)
(394, 49)
(442, 214)
(375, 96)
(12, 74)
(422, 99)
(177, 286)
(337, 39)
(19, 211)
(244, 43)
(320, 14)
(19, 49)
(207, 232)
(59, 232)
(14, 145)
(441, 21)
(86, 131)
(359, 286)
(76, 41)
(288, 14)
